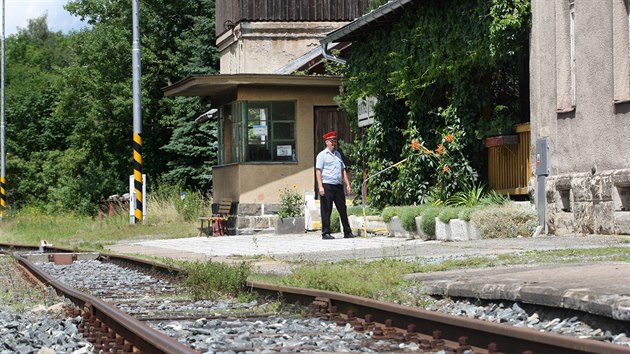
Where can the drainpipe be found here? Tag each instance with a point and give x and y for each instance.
(329, 56)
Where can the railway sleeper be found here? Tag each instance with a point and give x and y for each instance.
(323, 308)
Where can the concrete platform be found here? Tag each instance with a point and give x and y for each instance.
(598, 288)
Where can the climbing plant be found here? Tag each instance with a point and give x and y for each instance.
(447, 67)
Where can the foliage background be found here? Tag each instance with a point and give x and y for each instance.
(448, 67)
(69, 103)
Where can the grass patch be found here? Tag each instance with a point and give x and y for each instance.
(214, 280)
(17, 293)
(351, 277)
(80, 232)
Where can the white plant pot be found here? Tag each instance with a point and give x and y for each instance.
(456, 230)
(395, 228)
(442, 230)
(370, 223)
(459, 230)
(421, 234)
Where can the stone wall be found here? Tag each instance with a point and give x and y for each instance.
(589, 203)
(256, 218)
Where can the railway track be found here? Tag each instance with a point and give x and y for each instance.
(120, 317)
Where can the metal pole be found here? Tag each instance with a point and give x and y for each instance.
(137, 114)
(3, 189)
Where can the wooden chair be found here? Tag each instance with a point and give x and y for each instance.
(217, 223)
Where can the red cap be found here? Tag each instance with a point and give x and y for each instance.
(330, 135)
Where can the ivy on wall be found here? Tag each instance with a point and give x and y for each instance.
(448, 67)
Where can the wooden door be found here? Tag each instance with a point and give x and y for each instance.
(329, 118)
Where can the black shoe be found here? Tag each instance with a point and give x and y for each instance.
(327, 237)
(349, 235)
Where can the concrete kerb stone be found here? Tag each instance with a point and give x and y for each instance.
(599, 288)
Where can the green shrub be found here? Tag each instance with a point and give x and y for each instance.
(428, 220)
(471, 196)
(291, 203)
(357, 210)
(408, 216)
(391, 211)
(448, 213)
(465, 213)
(189, 205)
(505, 221)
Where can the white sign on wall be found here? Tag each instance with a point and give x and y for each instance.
(284, 150)
(365, 108)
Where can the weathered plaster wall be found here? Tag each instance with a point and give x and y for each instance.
(263, 47)
(590, 140)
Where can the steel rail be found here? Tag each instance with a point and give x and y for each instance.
(480, 333)
(141, 336)
(10, 247)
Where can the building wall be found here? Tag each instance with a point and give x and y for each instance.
(258, 184)
(263, 47)
(579, 100)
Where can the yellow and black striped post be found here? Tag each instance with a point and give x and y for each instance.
(138, 182)
(3, 197)
(3, 172)
(137, 175)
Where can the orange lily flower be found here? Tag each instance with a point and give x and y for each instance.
(415, 144)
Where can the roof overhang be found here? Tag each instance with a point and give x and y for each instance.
(223, 88)
(383, 17)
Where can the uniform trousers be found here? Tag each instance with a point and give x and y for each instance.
(333, 193)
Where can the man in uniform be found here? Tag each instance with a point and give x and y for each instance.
(331, 175)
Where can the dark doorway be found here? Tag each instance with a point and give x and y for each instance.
(329, 118)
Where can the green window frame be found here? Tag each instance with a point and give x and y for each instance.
(265, 131)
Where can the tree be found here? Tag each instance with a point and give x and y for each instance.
(34, 56)
(69, 103)
(177, 40)
(437, 73)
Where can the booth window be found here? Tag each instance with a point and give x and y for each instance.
(265, 131)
